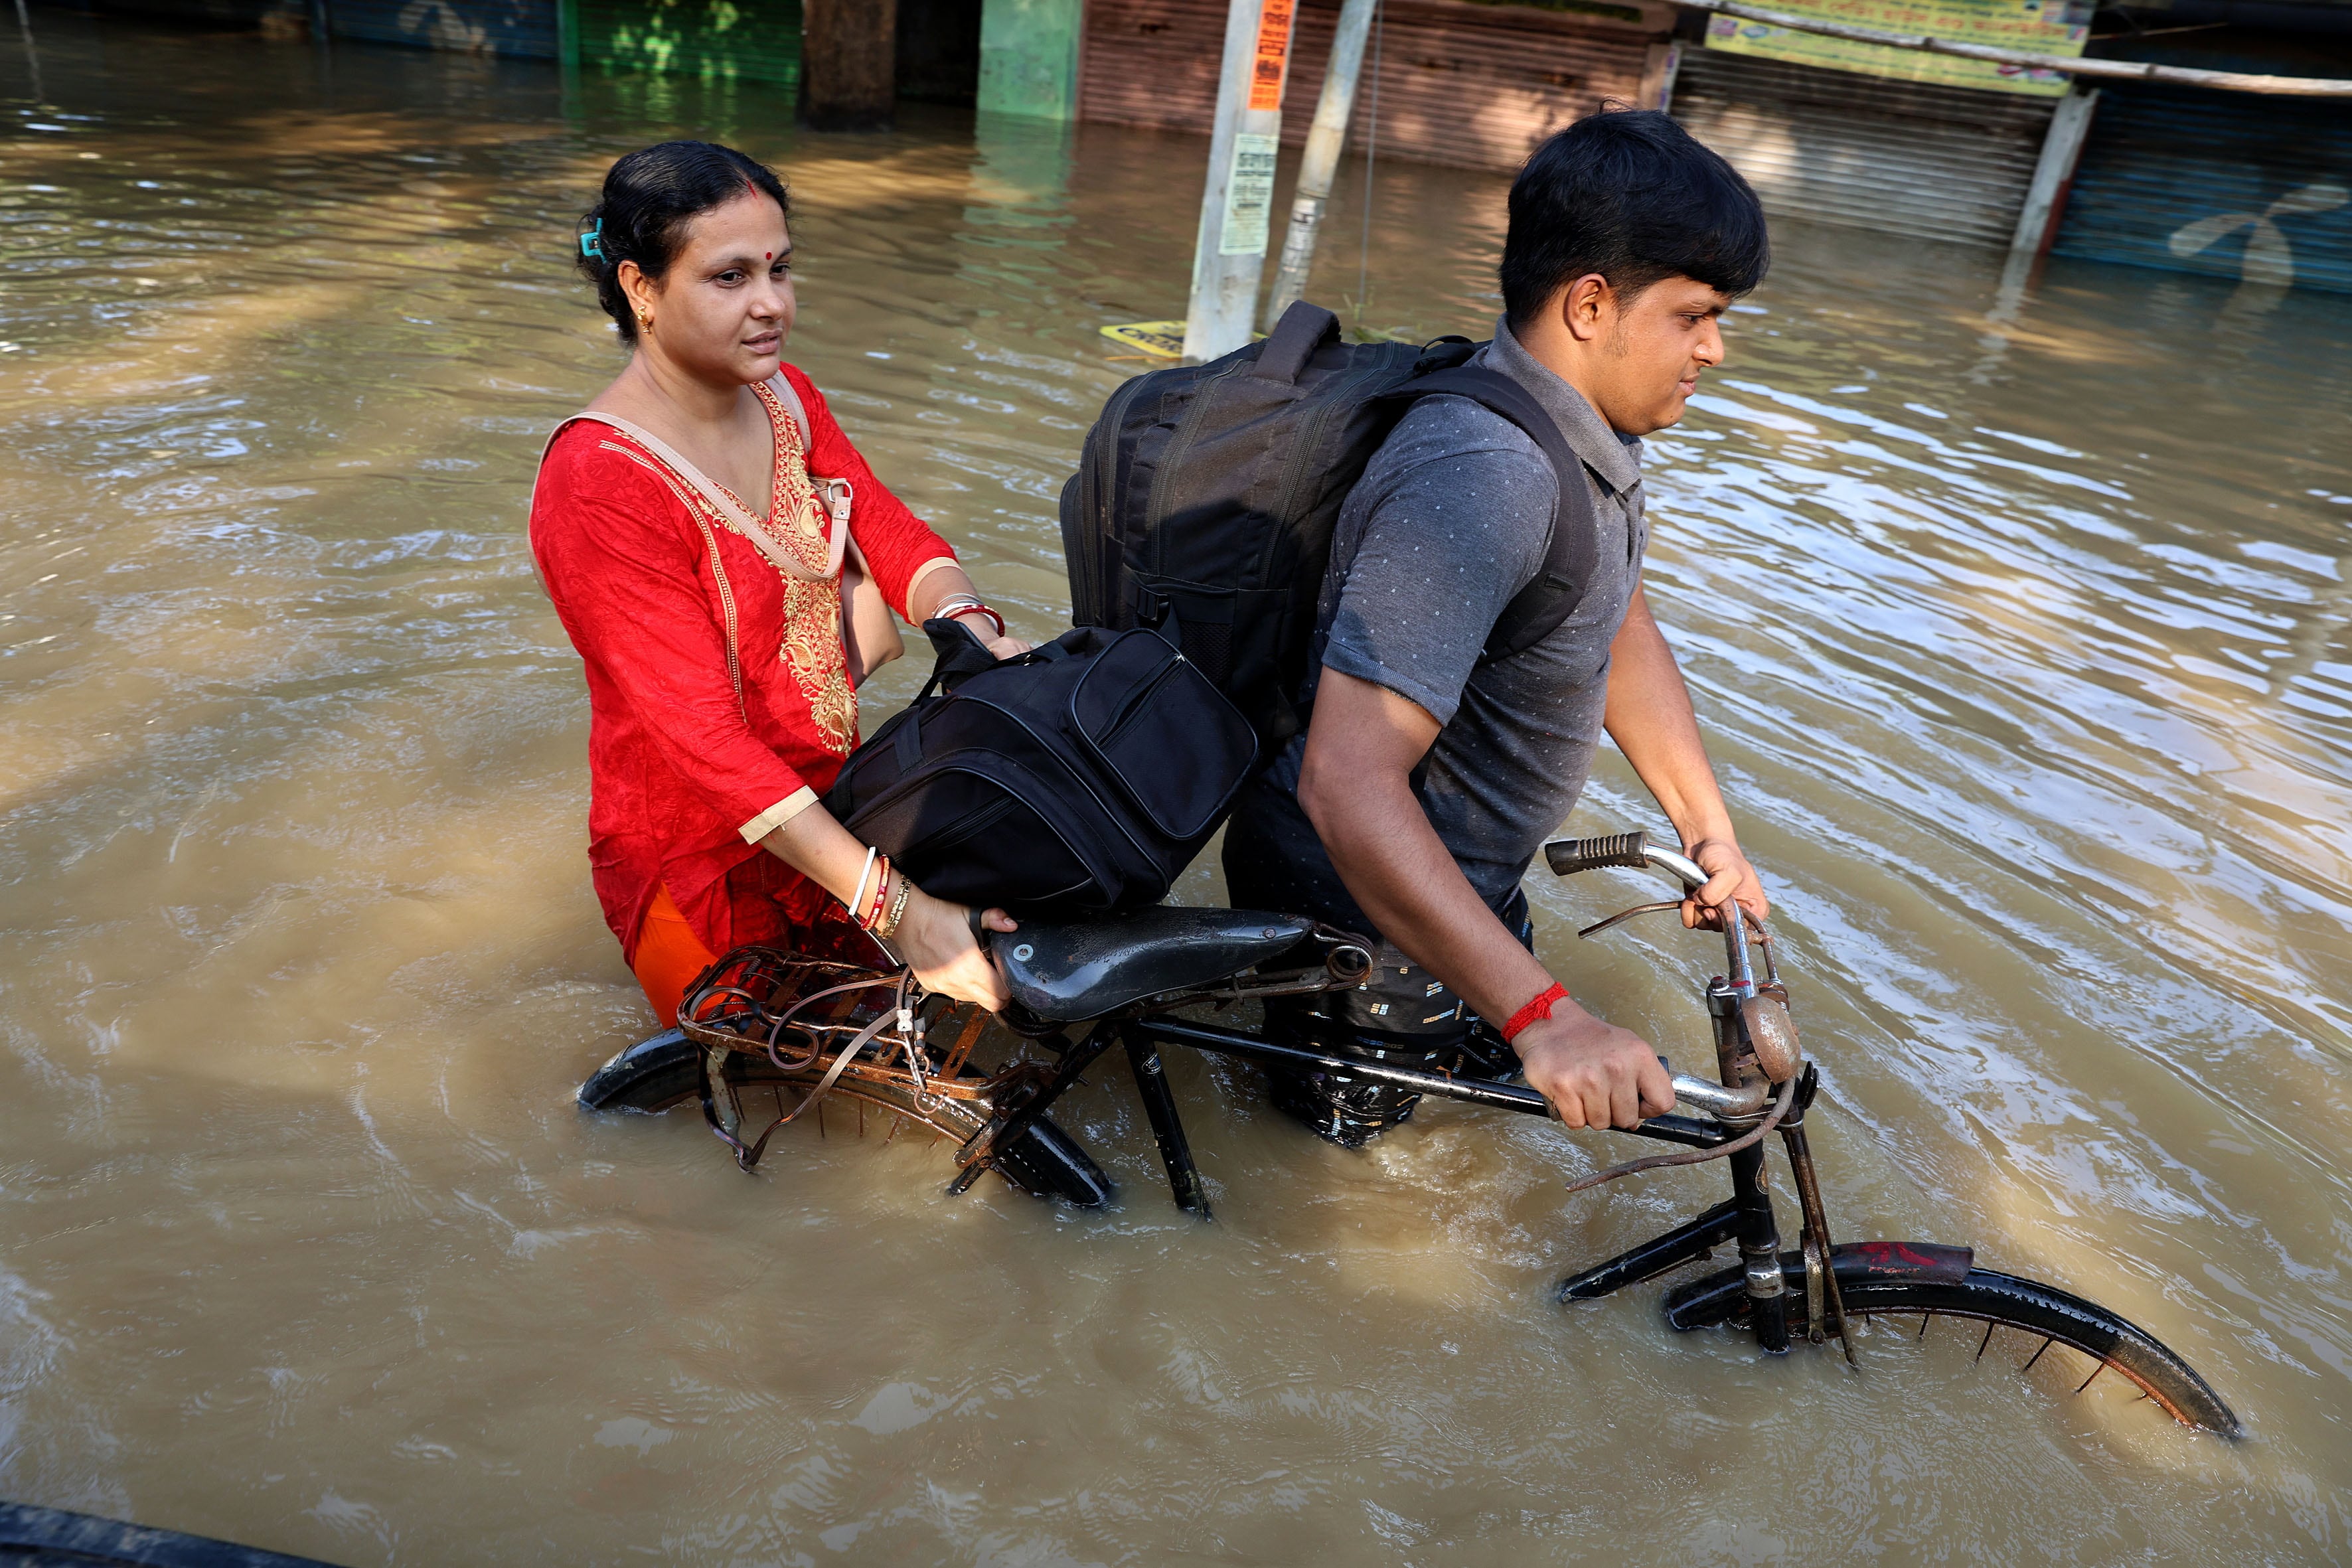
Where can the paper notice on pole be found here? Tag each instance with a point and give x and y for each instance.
(1249, 197)
(1273, 54)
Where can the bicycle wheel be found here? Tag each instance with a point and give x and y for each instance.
(2053, 1316)
(656, 1074)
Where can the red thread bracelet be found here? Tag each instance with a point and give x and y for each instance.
(1538, 1008)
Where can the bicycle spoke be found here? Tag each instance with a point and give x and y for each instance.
(2092, 1379)
(1923, 1323)
(1989, 1327)
(2037, 1355)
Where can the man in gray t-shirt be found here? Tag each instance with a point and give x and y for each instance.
(1427, 778)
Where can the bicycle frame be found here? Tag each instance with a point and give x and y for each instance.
(1736, 1104)
(765, 1004)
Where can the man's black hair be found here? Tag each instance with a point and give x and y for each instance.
(1630, 194)
(649, 197)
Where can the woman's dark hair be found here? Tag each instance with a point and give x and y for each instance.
(1630, 194)
(649, 197)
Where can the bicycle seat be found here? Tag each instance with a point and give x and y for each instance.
(1083, 969)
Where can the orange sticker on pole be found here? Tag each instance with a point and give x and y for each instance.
(1273, 53)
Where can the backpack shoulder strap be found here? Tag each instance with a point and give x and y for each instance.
(1572, 550)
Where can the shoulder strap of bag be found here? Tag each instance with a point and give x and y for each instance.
(729, 510)
(789, 394)
(1572, 550)
(710, 542)
(732, 514)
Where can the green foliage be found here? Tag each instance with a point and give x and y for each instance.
(749, 40)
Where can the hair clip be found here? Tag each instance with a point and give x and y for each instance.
(592, 243)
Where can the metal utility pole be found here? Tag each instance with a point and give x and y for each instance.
(1321, 166)
(1229, 257)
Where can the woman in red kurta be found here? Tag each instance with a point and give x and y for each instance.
(722, 692)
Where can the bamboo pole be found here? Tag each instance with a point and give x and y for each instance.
(1320, 166)
(2101, 70)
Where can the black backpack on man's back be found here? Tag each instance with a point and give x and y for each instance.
(1085, 776)
(1204, 503)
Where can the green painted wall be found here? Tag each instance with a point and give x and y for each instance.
(1029, 58)
(750, 40)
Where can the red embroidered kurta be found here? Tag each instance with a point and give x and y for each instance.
(683, 782)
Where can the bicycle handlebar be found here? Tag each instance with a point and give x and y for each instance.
(1633, 851)
(1718, 1101)
(1763, 1016)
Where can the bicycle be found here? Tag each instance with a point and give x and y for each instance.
(767, 1019)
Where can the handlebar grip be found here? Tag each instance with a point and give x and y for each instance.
(1569, 855)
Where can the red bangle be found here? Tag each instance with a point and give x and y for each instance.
(1538, 1008)
(979, 610)
(867, 917)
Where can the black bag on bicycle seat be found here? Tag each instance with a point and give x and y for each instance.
(1078, 778)
(1204, 503)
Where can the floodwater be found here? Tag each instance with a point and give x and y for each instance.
(2018, 620)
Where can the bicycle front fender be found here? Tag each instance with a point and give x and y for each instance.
(1717, 1299)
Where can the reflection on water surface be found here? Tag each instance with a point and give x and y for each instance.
(2020, 625)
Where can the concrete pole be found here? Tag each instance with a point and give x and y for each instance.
(849, 63)
(1321, 164)
(2054, 175)
(1229, 256)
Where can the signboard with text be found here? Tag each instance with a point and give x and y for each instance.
(2032, 26)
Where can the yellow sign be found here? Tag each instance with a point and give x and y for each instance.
(1161, 340)
(2030, 27)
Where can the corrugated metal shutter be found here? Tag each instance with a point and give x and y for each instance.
(2177, 179)
(471, 27)
(1907, 158)
(1469, 85)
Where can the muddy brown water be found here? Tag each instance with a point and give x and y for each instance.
(2018, 621)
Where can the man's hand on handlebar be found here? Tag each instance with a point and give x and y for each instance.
(1729, 876)
(936, 940)
(1594, 1073)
